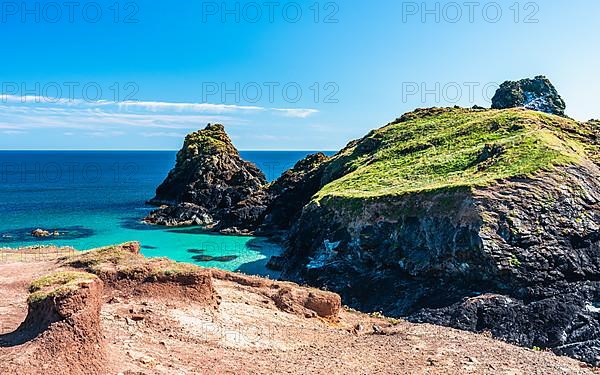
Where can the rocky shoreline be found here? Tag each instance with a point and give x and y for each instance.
(504, 240)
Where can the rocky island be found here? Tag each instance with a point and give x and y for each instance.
(485, 220)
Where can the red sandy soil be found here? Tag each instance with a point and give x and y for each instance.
(250, 333)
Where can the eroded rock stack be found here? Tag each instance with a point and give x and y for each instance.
(212, 186)
(209, 181)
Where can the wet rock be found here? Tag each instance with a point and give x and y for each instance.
(182, 214)
(276, 263)
(208, 258)
(40, 233)
(537, 94)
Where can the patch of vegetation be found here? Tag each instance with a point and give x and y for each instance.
(394, 321)
(439, 149)
(92, 259)
(514, 262)
(56, 284)
(119, 261)
(210, 140)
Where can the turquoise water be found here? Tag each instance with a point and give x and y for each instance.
(97, 198)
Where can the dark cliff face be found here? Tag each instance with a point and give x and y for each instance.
(545, 242)
(519, 258)
(290, 192)
(208, 182)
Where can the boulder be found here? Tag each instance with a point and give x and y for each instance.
(40, 233)
(308, 302)
(537, 94)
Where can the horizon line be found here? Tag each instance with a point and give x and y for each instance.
(109, 149)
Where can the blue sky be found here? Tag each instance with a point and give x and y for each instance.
(145, 75)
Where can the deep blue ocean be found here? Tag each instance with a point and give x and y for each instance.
(97, 198)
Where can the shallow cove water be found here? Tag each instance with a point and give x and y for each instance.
(96, 198)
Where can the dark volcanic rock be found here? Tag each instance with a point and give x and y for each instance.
(537, 94)
(209, 180)
(179, 215)
(566, 322)
(276, 263)
(292, 191)
(528, 246)
(209, 258)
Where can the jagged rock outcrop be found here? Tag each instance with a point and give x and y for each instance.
(209, 181)
(212, 186)
(290, 192)
(537, 94)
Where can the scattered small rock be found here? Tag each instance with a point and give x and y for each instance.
(40, 233)
(209, 258)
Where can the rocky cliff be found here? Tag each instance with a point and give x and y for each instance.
(209, 185)
(290, 192)
(485, 220)
(212, 186)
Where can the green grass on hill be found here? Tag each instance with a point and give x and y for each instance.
(443, 148)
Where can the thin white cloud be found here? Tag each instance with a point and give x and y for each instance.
(296, 112)
(70, 118)
(188, 107)
(164, 134)
(13, 132)
(155, 106)
(101, 134)
(98, 119)
(30, 99)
